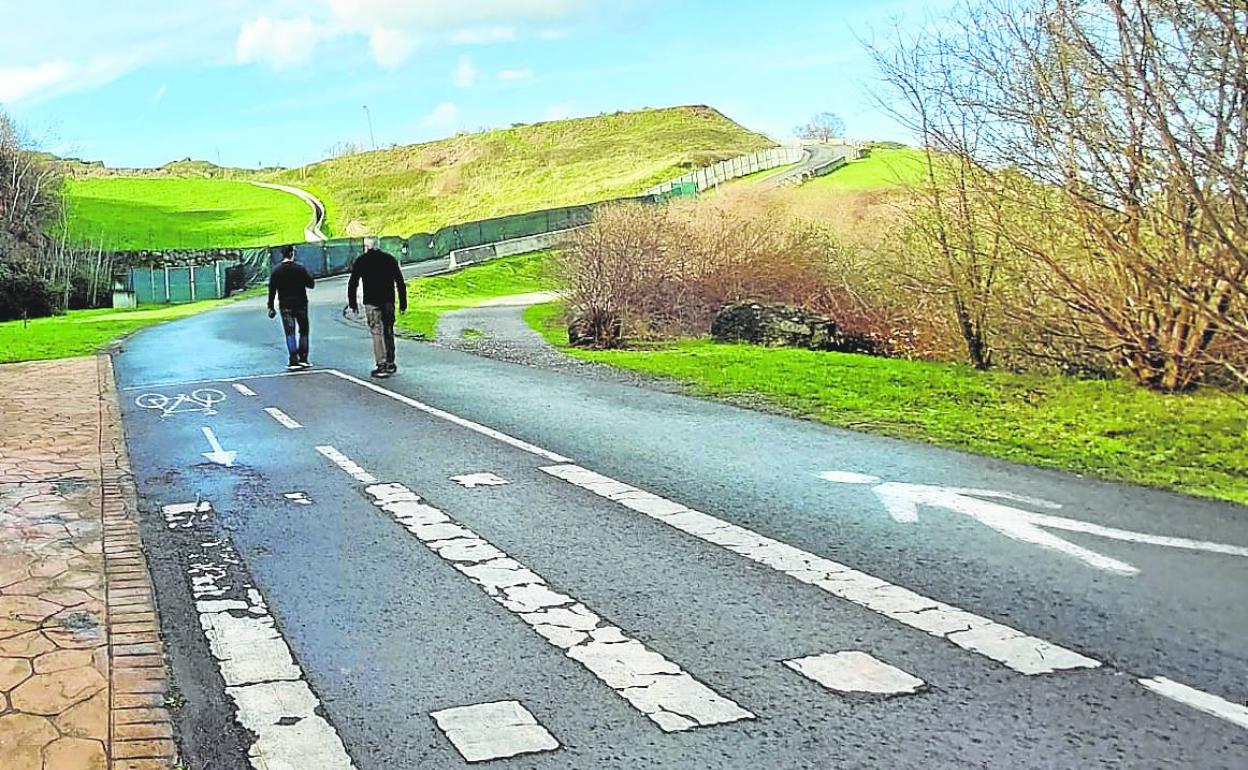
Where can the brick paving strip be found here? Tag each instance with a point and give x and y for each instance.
(82, 668)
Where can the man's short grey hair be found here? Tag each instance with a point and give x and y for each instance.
(372, 242)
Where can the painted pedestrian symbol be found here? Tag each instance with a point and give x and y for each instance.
(199, 401)
(902, 502)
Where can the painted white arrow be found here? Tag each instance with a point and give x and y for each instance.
(218, 455)
(902, 502)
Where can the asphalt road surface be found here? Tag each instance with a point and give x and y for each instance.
(817, 155)
(620, 577)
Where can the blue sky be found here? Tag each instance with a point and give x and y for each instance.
(281, 81)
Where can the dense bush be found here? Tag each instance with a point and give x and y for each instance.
(23, 295)
(664, 271)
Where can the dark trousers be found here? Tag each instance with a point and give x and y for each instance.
(381, 325)
(296, 319)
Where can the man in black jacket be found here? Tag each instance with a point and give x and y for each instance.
(290, 282)
(382, 278)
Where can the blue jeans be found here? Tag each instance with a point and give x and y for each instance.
(296, 319)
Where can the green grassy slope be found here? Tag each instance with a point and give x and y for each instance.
(880, 170)
(429, 298)
(189, 212)
(83, 332)
(426, 186)
(1111, 429)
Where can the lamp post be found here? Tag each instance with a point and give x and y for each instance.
(371, 136)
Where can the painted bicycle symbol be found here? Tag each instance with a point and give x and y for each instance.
(201, 400)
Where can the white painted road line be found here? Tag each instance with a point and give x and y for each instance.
(282, 417)
(853, 671)
(460, 421)
(243, 389)
(269, 689)
(344, 462)
(489, 731)
(1199, 700)
(652, 684)
(1006, 645)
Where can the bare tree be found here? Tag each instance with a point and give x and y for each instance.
(1114, 134)
(29, 192)
(823, 127)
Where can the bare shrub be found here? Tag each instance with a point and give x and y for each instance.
(1109, 140)
(663, 271)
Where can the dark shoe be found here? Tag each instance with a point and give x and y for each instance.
(390, 367)
(305, 364)
(293, 367)
(380, 373)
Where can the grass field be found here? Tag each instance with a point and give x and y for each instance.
(83, 332)
(422, 187)
(1110, 429)
(170, 212)
(880, 170)
(429, 298)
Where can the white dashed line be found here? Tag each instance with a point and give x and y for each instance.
(853, 671)
(269, 690)
(1008, 646)
(489, 731)
(654, 685)
(1199, 700)
(460, 421)
(243, 389)
(474, 480)
(344, 462)
(282, 417)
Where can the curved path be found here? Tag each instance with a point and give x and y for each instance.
(817, 156)
(311, 233)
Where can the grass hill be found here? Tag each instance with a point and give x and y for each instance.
(422, 187)
(401, 190)
(169, 212)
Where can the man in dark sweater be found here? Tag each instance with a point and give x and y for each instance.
(382, 278)
(290, 282)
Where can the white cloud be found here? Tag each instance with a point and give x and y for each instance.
(160, 93)
(434, 14)
(279, 43)
(552, 34)
(484, 35)
(515, 76)
(560, 111)
(445, 116)
(18, 83)
(465, 72)
(390, 47)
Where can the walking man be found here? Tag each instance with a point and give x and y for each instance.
(290, 282)
(382, 278)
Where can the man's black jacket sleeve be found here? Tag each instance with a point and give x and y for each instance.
(353, 284)
(401, 286)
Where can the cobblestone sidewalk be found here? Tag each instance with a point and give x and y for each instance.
(82, 671)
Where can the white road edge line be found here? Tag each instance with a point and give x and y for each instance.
(460, 421)
(269, 689)
(243, 389)
(655, 686)
(940, 619)
(1199, 700)
(283, 418)
(1025, 654)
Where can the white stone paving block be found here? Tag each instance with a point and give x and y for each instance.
(853, 671)
(490, 731)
